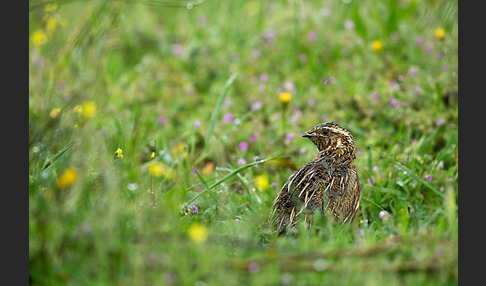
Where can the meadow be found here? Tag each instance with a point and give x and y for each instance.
(158, 140)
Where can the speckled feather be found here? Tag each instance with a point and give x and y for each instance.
(328, 182)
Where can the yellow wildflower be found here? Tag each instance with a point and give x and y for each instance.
(178, 147)
(159, 169)
(180, 150)
(38, 37)
(78, 109)
(198, 233)
(439, 33)
(118, 153)
(208, 168)
(55, 112)
(285, 97)
(261, 182)
(89, 109)
(50, 7)
(67, 178)
(51, 24)
(169, 173)
(156, 169)
(152, 156)
(377, 45)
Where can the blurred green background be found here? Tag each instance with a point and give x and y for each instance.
(157, 140)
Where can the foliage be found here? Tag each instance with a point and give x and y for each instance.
(167, 118)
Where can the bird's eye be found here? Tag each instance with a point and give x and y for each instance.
(325, 131)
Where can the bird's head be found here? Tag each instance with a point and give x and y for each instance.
(331, 138)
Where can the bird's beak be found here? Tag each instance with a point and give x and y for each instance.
(306, 134)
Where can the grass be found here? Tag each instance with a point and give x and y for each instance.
(189, 84)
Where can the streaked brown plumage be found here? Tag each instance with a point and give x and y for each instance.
(328, 183)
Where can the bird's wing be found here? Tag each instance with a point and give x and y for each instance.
(344, 194)
(353, 189)
(303, 191)
(307, 186)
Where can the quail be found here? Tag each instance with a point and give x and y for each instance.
(329, 183)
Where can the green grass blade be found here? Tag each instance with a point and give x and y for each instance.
(203, 182)
(233, 173)
(217, 110)
(358, 21)
(412, 173)
(58, 154)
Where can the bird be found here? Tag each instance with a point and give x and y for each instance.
(329, 183)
